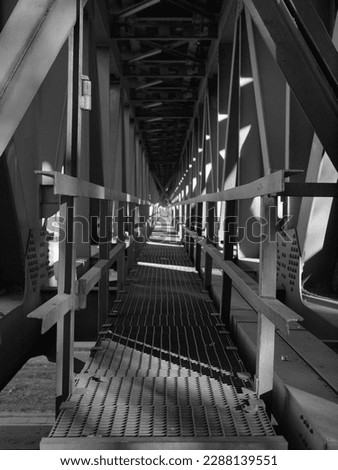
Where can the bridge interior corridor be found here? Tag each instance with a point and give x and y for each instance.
(168, 185)
(164, 372)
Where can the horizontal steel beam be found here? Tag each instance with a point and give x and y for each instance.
(165, 71)
(174, 37)
(279, 314)
(165, 75)
(66, 185)
(271, 184)
(141, 102)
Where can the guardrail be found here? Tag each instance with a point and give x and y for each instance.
(72, 293)
(261, 295)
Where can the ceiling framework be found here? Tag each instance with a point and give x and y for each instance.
(164, 46)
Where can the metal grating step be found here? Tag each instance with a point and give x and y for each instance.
(161, 421)
(164, 371)
(162, 407)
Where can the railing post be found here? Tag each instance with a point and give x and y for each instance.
(267, 288)
(104, 248)
(67, 250)
(184, 224)
(211, 206)
(131, 228)
(199, 211)
(121, 269)
(65, 324)
(191, 226)
(228, 252)
(180, 220)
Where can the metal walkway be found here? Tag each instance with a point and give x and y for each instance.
(164, 372)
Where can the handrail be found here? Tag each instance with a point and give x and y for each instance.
(86, 282)
(65, 185)
(60, 304)
(279, 314)
(271, 184)
(52, 310)
(193, 235)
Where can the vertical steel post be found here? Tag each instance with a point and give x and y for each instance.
(228, 247)
(267, 288)
(65, 324)
(67, 250)
(121, 266)
(199, 211)
(192, 227)
(104, 248)
(210, 235)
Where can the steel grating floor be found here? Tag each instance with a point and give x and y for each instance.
(164, 372)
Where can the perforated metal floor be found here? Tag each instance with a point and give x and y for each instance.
(164, 372)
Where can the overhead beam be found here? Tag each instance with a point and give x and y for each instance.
(193, 8)
(144, 55)
(172, 51)
(140, 6)
(154, 118)
(186, 35)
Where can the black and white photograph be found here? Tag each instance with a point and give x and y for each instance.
(168, 233)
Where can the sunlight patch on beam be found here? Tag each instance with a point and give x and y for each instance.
(243, 135)
(243, 81)
(222, 117)
(208, 168)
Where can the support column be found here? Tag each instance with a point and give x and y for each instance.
(211, 209)
(199, 215)
(230, 225)
(66, 281)
(104, 248)
(267, 288)
(65, 324)
(121, 270)
(230, 171)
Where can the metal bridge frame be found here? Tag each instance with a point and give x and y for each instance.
(214, 165)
